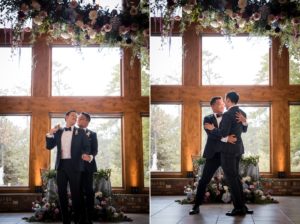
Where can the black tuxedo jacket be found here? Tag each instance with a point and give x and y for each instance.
(213, 143)
(92, 136)
(229, 126)
(79, 145)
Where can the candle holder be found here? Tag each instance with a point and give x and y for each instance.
(281, 174)
(190, 174)
(134, 190)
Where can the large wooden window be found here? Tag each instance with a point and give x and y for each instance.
(110, 89)
(266, 90)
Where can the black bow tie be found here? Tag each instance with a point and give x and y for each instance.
(219, 115)
(68, 129)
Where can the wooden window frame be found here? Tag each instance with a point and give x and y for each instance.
(278, 93)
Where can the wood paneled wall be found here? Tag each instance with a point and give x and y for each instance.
(191, 94)
(40, 104)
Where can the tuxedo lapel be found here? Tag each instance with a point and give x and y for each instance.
(214, 120)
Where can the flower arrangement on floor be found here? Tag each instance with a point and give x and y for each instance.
(275, 18)
(46, 208)
(77, 23)
(219, 192)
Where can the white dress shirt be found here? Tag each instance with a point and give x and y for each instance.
(66, 140)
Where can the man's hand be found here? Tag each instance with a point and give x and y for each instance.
(231, 139)
(54, 130)
(86, 157)
(240, 118)
(209, 126)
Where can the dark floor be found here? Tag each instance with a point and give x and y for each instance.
(164, 210)
(16, 218)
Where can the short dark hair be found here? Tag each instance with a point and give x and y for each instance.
(214, 100)
(233, 96)
(87, 116)
(70, 111)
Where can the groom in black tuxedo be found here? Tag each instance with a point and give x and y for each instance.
(212, 149)
(90, 167)
(72, 144)
(231, 153)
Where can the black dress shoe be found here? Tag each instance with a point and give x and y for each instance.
(236, 212)
(195, 210)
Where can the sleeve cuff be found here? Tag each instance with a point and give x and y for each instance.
(92, 157)
(48, 135)
(225, 139)
(245, 124)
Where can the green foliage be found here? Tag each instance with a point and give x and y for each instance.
(102, 173)
(250, 160)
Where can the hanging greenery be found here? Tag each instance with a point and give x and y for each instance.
(76, 23)
(274, 18)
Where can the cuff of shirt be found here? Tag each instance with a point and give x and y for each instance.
(245, 124)
(48, 135)
(92, 157)
(225, 139)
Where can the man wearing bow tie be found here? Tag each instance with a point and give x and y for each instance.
(231, 153)
(90, 167)
(212, 149)
(72, 144)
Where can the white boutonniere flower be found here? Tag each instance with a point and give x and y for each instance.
(88, 134)
(76, 132)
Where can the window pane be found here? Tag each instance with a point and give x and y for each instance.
(244, 61)
(146, 137)
(295, 138)
(294, 70)
(166, 138)
(257, 138)
(91, 72)
(109, 145)
(15, 72)
(166, 61)
(14, 150)
(145, 74)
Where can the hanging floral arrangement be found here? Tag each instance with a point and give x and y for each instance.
(274, 18)
(75, 22)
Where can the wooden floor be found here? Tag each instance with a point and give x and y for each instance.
(164, 210)
(16, 218)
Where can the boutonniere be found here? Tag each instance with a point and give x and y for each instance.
(88, 134)
(76, 132)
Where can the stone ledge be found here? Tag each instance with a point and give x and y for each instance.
(22, 202)
(175, 186)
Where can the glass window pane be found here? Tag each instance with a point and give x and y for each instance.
(294, 70)
(145, 74)
(91, 72)
(295, 138)
(14, 150)
(244, 61)
(166, 61)
(166, 138)
(257, 138)
(109, 145)
(146, 137)
(15, 72)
